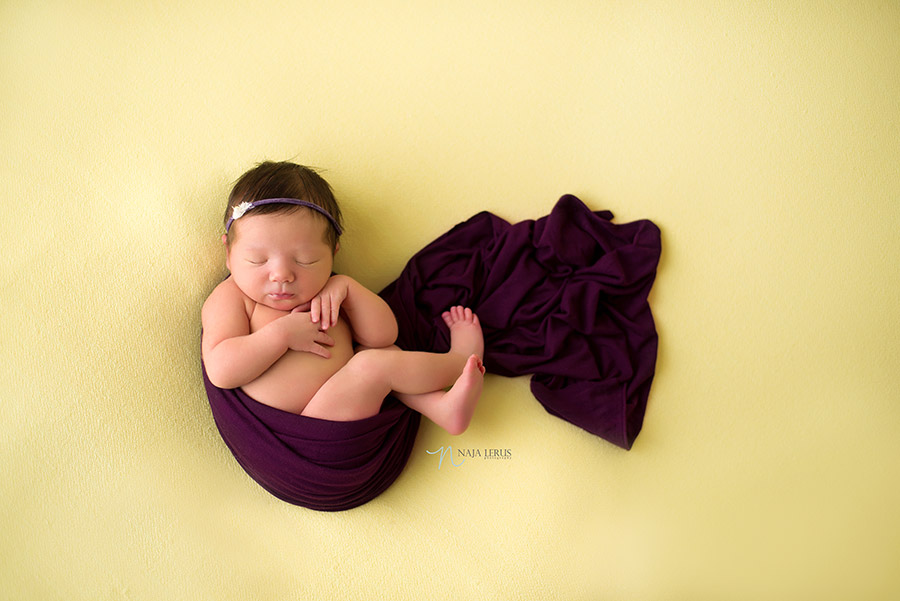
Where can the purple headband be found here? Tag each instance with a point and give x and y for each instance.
(238, 210)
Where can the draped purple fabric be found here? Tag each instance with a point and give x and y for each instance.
(562, 298)
(316, 463)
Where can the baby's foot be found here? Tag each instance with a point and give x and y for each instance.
(462, 397)
(465, 332)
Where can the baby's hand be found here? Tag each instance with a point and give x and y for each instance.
(326, 306)
(304, 335)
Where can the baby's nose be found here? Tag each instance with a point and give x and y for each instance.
(281, 275)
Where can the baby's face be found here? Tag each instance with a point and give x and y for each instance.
(280, 260)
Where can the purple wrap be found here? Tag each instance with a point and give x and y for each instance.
(563, 298)
(316, 463)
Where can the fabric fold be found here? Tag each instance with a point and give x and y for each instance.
(562, 298)
(319, 464)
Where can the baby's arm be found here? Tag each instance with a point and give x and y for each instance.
(233, 356)
(371, 319)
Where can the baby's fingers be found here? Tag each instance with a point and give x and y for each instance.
(335, 310)
(316, 347)
(315, 309)
(325, 312)
(323, 338)
(321, 351)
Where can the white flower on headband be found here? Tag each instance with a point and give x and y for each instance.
(238, 211)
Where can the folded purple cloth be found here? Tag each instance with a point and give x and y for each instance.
(316, 463)
(563, 298)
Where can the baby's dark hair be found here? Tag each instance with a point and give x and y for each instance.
(285, 180)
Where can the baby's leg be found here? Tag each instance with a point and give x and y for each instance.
(357, 390)
(451, 410)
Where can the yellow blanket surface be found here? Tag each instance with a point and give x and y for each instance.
(763, 140)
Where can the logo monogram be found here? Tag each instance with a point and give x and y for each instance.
(443, 451)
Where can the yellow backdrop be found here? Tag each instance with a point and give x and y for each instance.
(763, 140)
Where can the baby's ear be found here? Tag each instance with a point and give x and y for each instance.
(227, 252)
(337, 247)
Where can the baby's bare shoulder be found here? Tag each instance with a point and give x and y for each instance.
(226, 299)
(224, 292)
